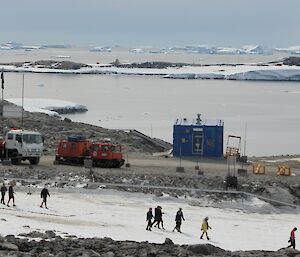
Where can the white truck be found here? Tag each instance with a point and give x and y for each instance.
(20, 145)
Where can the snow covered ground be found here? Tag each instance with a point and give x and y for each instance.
(121, 216)
(230, 72)
(45, 105)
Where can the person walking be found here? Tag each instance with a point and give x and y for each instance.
(11, 194)
(149, 218)
(178, 219)
(44, 195)
(158, 217)
(3, 192)
(204, 228)
(292, 240)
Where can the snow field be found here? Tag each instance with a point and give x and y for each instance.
(122, 216)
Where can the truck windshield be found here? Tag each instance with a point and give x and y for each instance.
(32, 139)
(115, 148)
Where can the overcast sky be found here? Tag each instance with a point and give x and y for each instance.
(151, 22)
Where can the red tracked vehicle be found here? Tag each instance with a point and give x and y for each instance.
(75, 149)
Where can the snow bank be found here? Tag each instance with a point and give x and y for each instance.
(49, 106)
(241, 72)
(275, 74)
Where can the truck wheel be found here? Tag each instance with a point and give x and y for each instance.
(120, 163)
(15, 161)
(34, 160)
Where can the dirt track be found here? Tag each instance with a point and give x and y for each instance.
(148, 164)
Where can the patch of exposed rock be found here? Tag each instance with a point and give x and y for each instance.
(106, 247)
(51, 64)
(69, 110)
(149, 65)
(292, 61)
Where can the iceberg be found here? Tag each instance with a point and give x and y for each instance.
(255, 49)
(137, 50)
(100, 49)
(207, 49)
(290, 50)
(52, 107)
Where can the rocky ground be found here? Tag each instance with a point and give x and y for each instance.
(52, 245)
(157, 175)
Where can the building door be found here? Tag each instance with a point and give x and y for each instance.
(197, 142)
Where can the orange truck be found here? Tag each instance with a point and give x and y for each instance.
(75, 149)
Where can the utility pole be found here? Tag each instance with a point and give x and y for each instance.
(22, 100)
(2, 87)
(245, 139)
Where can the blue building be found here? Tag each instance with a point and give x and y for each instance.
(198, 138)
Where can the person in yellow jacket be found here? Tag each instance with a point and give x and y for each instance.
(204, 228)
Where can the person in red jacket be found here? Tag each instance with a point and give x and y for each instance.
(292, 240)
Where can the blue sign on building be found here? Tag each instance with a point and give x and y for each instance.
(198, 138)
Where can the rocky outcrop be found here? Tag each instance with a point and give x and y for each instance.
(106, 247)
(150, 65)
(54, 129)
(51, 64)
(292, 61)
(69, 110)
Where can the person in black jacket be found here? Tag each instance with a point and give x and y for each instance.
(11, 194)
(149, 219)
(158, 217)
(3, 191)
(178, 219)
(44, 195)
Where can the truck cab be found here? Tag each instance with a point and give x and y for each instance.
(21, 145)
(108, 155)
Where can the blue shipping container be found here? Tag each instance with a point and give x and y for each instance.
(198, 138)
